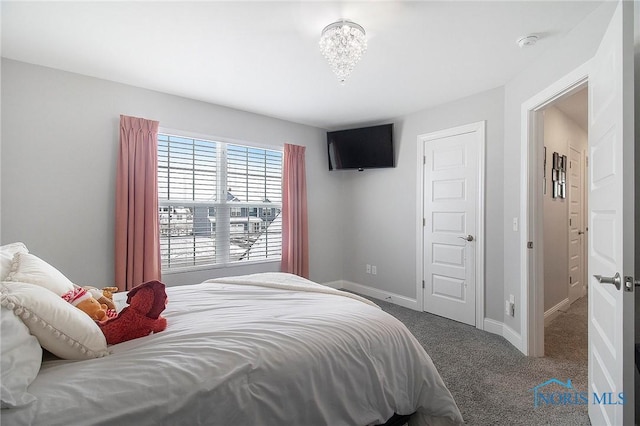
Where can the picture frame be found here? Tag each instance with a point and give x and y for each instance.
(558, 175)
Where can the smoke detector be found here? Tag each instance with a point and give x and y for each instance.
(527, 41)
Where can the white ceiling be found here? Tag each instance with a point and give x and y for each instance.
(263, 56)
(576, 107)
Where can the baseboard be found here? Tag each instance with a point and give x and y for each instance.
(501, 329)
(554, 311)
(493, 326)
(512, 337)
(376, 293)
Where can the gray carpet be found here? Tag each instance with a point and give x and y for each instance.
(491, 380)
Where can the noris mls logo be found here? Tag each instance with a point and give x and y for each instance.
(543, 394)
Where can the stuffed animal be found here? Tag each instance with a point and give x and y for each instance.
(83, 300)
(139, 319)
(108, 292)
(142, 316)
(104, 296)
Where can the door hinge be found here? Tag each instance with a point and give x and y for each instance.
(530, 244)
(424, 159)
(569, 222)
(570, 279)
(422, 283)
(424, 221)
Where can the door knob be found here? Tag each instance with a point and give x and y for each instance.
(580, 232)
(467, 238)
(615, 280)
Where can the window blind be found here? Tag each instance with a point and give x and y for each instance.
(219, 202)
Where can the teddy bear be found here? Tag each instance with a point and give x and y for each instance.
(83, 299)
(104, 296)
(141, 318)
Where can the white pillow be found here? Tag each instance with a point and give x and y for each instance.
(60, 327)
(28, 268)
(6, 257)
(20, 358)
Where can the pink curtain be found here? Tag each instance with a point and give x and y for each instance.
(137, 247)
(295, 234)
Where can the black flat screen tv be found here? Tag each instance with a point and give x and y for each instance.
(362, 148)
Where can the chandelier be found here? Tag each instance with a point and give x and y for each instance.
(343, 43)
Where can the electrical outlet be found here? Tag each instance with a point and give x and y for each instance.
(374, 270)
(368, 268)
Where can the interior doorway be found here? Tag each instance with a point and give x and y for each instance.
(609, 74)
(450, 247)
(531, 212)
(564, 141)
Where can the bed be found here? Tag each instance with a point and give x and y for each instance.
(263, 349)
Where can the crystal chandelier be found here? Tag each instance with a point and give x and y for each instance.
(343, 43)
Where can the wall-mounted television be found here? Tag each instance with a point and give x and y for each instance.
(362, 148)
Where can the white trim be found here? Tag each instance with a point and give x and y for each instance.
(479, 128)
(212, 138)
(213, 266)
(501, 329)
(493, 326)
(376, 293)
(531, 336)
(512, 336)
(420, 226)
(553, 312)
(480, 246)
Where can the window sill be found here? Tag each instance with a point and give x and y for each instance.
(231, 265)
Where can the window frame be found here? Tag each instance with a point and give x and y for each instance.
(222, 202)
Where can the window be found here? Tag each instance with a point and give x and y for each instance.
(218, 202)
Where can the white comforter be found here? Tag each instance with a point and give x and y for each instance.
(267, 349)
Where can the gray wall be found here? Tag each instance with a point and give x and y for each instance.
(59, 146)
(575, 49)
(379, 210)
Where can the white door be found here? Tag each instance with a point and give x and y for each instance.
(611, 232)
(576, 228)
(451, 190)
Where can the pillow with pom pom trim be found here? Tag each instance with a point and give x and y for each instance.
(28, 268)
(60, 327)
(7, 252)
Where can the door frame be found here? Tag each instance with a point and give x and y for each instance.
(480, 129)
(531, 207)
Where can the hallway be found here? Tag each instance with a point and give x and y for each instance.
(566, 337)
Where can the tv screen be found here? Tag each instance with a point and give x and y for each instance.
(363, 148)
